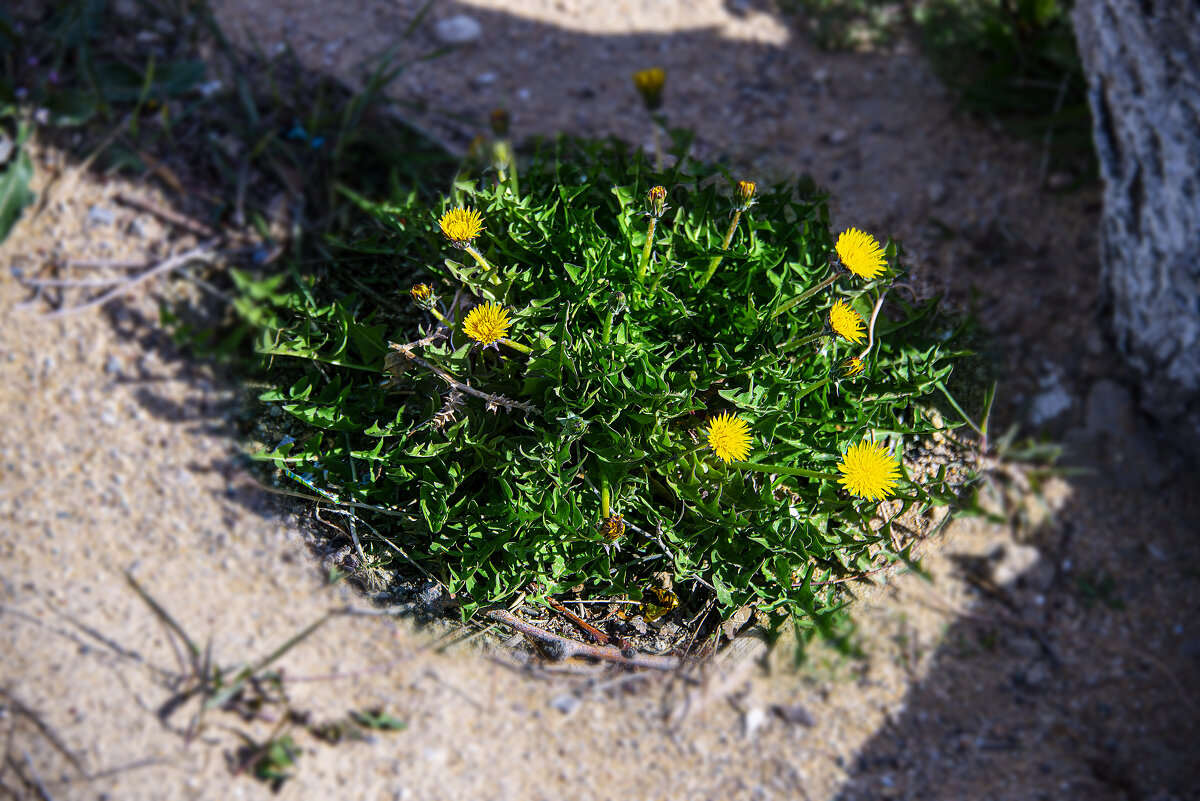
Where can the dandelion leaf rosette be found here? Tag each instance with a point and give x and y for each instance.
(496, 435)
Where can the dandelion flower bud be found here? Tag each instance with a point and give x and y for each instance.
(657, 198)
(744, 195)
(422, 295)
(852, 367)
(499, 120)
(649, 84)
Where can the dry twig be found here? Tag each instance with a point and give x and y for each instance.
(559, 648)
(203, 253)
(167, 215)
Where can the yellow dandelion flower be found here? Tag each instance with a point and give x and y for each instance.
(487, 324)
(846, 322)
(461, 225)
(729, 437)
(861, 253)
(853, 367)
(868, 471)
(421, 293)
(650, 84)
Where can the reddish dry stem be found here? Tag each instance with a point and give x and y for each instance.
(565, 649)
(595, 633)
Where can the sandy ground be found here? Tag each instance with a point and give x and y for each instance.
(1065, 667)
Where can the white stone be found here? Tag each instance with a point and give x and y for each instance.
(458, 29)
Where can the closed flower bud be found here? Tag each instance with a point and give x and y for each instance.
(422, 295)
(649, 84)
(499, 120)
(657, 198)
(744, 195)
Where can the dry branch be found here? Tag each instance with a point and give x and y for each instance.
(559, 648)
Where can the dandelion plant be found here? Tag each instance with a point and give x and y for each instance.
(614, 395)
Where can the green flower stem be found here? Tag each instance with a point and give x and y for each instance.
(441, 317)
(646, 250)
(606, 334)
(605, 498)
(799, 343)
(805, 295)
(716, 260)
(517, 346)
(478, 256)
(658, 156)
(506, 165)
(782, 470)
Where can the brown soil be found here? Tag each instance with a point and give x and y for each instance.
(1050, 661)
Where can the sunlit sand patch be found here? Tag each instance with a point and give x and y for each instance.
(638, 16)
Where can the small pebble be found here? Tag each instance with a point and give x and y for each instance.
(99, 215)
(458, 29)
(753, 720)
(565, 703)
(794, 714)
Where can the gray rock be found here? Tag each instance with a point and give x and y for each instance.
(1053, 400)
(753, 720)
(434, 598)
(99, 215)
(565, 702)
(458, 29)
(794, 714)
(1012, 561)
(1114, 439)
